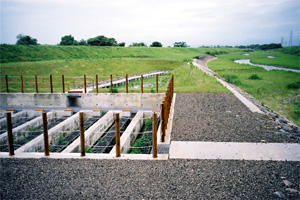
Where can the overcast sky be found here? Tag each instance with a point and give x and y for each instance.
(197, 22)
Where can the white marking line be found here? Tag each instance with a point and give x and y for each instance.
(235, 151)
(249, 104)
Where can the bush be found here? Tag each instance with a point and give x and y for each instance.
(233, 79)
(156, 44)
(115, 90)
(254, 77)
(67, 40)
(180, 44)
(294, 86)
(102, 41)
(138, 44)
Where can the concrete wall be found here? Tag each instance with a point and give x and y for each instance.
(88, 100)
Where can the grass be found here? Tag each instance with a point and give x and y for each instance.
(270, 87)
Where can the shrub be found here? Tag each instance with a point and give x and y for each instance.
(255, 77)
(156, 44)
(294, 86)
(26, 40)
(115, 90)
(233, 79)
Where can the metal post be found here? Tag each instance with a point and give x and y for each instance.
(10, 139)
(22, 86)
(111, 83)
(154, 135)
(63, 82)
(118, 144)
(97, 89)
(84, 80)
(82, 139)
(36, 84)
(126, 83)
(6, 80)
(156, 83)
(51, 85)
(46, 139)
(142, 85)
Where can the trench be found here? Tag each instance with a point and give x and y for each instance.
(33, 133)
(143, 142)
(106, 142)
(66, 138)
(18, 123)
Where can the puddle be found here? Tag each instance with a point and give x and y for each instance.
(271, 57)
(266, 67)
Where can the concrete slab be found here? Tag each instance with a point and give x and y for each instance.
(235, 151)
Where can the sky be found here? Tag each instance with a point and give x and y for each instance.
(196, 22)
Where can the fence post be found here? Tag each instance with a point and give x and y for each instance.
(156, 83)
(51, 85)
(162, 123)
(118, 144)
(6, 80)
(22, 86)
(63, 82)
(142, 89)
(111, 83)
(10, 139)
(97, 90)
(84, 80)
(45, 129)
(154, 136)
(82, 139)
(126, 83)
(36, 84)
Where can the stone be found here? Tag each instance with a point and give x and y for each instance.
(291, 190)
(285, 127)
(287, 183)
(282, 120)
(279, 194)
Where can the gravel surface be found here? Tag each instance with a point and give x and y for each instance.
(127, 179)
(221, 117)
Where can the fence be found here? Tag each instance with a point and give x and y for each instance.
(87, 84)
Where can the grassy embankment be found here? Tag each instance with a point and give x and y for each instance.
(270, 87)
(74, 61)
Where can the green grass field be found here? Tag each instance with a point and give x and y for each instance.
(271, 88)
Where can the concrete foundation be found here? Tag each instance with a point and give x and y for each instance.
(85, 100)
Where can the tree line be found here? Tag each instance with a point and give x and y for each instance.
(100, 40)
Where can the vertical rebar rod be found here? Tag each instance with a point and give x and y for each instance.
(63, 82)
(51, 85)
(154, 135)
(97, 89)
(6, 80)
(82, 139)
(22, 86)
(126, 83)
(118, 143)
(162, 123)
(10, 139)
(84, 80)
(156, 83)
(111, 84)
(36, 84)
(142, 85)
(46, 138)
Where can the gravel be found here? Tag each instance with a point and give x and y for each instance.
(221, 117)
(140, 179)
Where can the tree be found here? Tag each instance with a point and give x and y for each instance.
(82, 42)
(156, 44)
(102, 41)
(122, 44)
(138, 44)
(180, 44)
(26, 40)
(67, 40)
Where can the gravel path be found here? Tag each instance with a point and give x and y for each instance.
(220, 117)
(123, 179)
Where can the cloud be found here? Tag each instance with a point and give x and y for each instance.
(196, 21)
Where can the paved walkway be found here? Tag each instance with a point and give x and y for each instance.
(234, 151)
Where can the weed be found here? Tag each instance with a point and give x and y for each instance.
(233, 79)
(294, 86)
